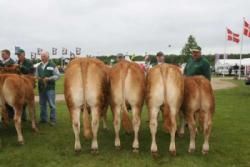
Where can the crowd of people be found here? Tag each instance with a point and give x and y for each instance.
(46, 73)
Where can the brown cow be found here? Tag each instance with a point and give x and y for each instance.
(165, 89)
(127, 89)
(16, 90)
(85, 89)
(198, 104)
(13, 69)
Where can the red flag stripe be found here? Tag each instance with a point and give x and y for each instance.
(231, 36)
(246, 29)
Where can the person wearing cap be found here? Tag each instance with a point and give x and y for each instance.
(197, 64)
(25, 65)
(120, 57)
(6, 59)
(160, 57)
(47, 74)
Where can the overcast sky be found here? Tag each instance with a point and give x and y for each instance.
(120, 26)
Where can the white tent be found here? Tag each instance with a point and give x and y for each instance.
(222, 66)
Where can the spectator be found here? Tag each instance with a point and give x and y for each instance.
(160, 57)
(6, 62)
(47, 73)
(26, 67)
(197, 65)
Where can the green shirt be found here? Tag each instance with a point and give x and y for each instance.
(47, 71)
(26, 67)
(8, 63)
(200, 66)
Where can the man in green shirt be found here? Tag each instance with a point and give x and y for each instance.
(197, 65)
(26, 66)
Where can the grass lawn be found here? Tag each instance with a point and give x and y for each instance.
(53, 146)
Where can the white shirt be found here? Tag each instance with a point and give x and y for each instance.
(5, 61)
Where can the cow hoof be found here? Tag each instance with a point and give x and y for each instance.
(155, 155)
(173, 153)
(191, 150)
(135, 150)
(204, 152)
(77, 151)
(35, 130)
(180, 135)
(105, 129)
(118, 148)
(20, 143)
(94, 151)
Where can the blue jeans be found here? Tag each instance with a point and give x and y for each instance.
(44, 97)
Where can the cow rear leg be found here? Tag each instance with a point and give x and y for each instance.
(192, 131)
(136, 126)
(117, 125)
(75, 115)
(31, 108)
(17, 120)
(207, 125)
(104, 121)
(4, 116)
(95, 113)
(172, 148)
(153, 127)
(182, 125)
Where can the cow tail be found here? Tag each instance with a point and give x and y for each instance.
(126, 122)
(165, 111)
(86, 121)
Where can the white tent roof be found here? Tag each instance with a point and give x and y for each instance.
(232, 62)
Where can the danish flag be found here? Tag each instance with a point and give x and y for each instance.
(232, 36)
(246, 29)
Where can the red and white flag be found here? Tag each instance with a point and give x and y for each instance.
(233, 36)
(246, 29)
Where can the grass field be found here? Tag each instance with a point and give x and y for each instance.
(53, 146)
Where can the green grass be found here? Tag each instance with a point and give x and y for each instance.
(59, 86)
(53, 146)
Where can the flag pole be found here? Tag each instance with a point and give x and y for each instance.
(225, 48)
(241, 47)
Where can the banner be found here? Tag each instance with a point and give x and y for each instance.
(33, 55)
(78, 51)
(17, 48)
(72, 55)
(54, 51)
(64, 51)
(39, 51)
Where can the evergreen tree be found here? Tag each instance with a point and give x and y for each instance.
(190, 44)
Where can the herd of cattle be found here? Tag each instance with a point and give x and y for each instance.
(91, 87)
